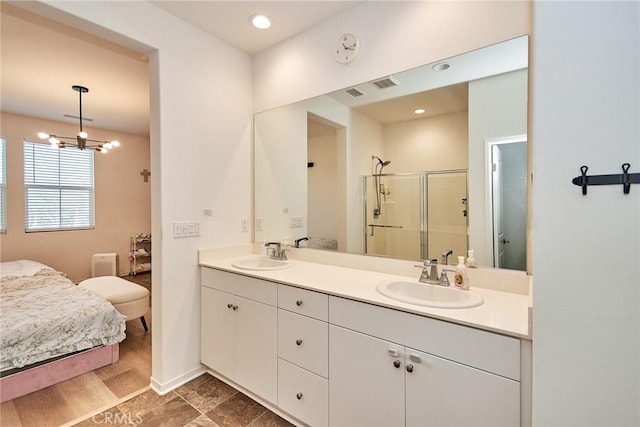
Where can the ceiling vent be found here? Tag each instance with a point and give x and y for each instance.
(353, 92)
(384, 83)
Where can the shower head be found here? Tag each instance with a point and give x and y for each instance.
(380, 161)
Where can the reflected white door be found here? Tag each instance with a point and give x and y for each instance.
(509, 203)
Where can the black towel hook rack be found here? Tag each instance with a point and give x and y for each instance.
(625, 179)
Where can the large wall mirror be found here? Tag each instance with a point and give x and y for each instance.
(415, 165)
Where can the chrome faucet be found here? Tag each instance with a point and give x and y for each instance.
(297, 241)
(430, 273)
(276, 252)
(445, 256)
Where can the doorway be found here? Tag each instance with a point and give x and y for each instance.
(508, 201)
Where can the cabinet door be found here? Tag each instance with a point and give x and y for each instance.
(366, 380)
(440, 392)
(256, 348)
(217, 331)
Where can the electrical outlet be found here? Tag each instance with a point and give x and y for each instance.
(244, 225)
(259, 223)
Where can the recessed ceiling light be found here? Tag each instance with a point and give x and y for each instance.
(419, 111)
(260, 21)
(441, 66)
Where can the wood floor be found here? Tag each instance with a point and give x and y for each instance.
(97, 390)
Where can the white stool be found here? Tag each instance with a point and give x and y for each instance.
(130, 299)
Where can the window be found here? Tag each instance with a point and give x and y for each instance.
(3, 186)
(58, 188)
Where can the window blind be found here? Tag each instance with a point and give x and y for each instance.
(59, 188)
(3, 186)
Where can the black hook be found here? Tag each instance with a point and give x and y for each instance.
(626, 183)
(583, 182)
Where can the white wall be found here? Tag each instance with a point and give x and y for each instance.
(586, 111)
(200, 158)
(497, 109)
(322, 197)
(395, 36)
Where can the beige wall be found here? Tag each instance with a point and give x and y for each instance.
(431, 144)
(122, 201)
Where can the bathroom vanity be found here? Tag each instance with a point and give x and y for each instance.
(318, 344)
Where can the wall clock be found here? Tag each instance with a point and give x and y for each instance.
(347, 48)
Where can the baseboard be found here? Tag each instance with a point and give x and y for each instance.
(164, 388)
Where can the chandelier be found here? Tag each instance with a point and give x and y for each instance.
(80, 141)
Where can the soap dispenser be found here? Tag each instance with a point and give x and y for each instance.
(471, 260)
(461, 280)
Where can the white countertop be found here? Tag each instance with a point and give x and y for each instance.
(502, 312)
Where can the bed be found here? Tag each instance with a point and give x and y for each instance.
(51, 330)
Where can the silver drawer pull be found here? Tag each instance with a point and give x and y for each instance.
(414, 358)
(299, 302)
(299, 396)
(393, 352)
(298, 342)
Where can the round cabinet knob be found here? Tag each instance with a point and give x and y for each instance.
(235, 307)
(396, 363)
(299, 302)
(409, 368)
(299, 396)
(229, 305)
(298, 342)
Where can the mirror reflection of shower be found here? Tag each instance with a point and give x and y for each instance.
(380, 191)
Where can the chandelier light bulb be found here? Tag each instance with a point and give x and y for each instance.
(108, 146)
(43, 135)
(54, 140)
(83, 135)
(104, 150)
(115, 143)
(54, 145)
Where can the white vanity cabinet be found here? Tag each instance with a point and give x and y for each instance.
(379, 378)
(239, 330)
(303, 365)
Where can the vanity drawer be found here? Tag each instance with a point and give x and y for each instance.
(303, 341)
(254, 289)
(484, 350)
(303, 301)
(303, 394)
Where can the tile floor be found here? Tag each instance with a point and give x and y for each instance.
(204, 401)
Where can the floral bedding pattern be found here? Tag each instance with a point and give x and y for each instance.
(44, 315)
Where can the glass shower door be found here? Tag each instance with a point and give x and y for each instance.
(446, 215)
(393, 211)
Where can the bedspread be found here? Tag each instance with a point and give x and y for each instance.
(44, 315)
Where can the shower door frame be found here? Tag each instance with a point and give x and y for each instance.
(424, 194)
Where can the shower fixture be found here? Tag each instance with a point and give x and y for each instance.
(379, 188)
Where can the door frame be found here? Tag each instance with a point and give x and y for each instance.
(488, 174)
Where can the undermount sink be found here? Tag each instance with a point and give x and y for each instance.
(259, 263)
(429, 295)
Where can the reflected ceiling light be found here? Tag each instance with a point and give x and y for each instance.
(260, 21)
(441, 66)
(81, 141)
(419, 111)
